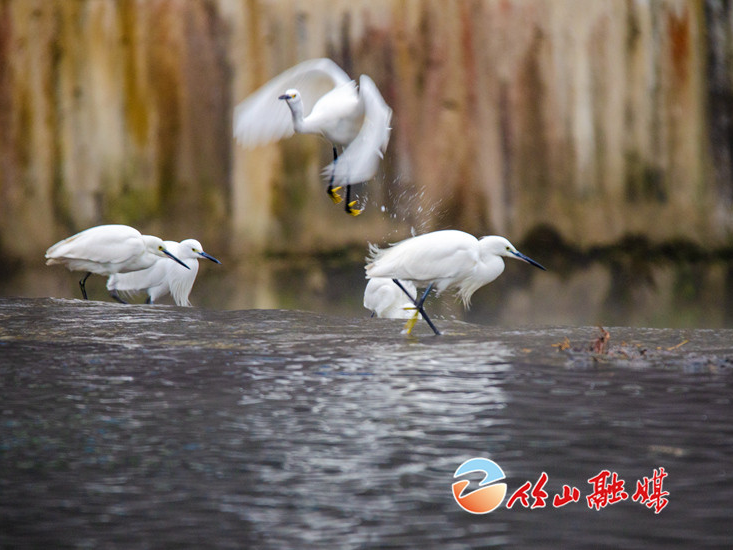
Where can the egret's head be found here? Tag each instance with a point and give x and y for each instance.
(290, 95)
(191, 248)
(502, 247)
(156, 246)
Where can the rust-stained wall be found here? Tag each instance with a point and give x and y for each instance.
(597, 118)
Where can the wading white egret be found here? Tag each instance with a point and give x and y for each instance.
(322, 100)
(443, 259)
(108, 249)
(386, 300)
(163, 277)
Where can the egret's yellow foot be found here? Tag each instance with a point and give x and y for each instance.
(333, 193)
(410, 323)
(351, 210)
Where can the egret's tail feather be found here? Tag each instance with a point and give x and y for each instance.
(372, 256)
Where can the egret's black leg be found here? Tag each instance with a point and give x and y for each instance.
(402, 288)
(149, 301)
(116, 296)
(421, 309)
(419, 305)
(333, 191)
(82, 283)
(425, 294)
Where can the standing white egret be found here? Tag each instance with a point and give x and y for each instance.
(163, 277)
(322, 100)
(443, 259)
(108, 249)
(386, 300)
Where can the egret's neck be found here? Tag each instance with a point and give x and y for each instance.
(296, 109)
(490, 266)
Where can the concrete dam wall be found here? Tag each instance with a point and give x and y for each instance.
(595, 120)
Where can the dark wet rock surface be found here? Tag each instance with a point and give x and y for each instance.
(145, 427)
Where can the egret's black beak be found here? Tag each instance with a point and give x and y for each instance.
(172, 257)
(528, 260)
(284, 96)
(208, 257)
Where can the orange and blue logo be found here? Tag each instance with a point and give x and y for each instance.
(489, 494)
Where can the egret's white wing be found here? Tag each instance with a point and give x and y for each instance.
(360, 160)
(137, 281)
(378, 294)
(387, 300)
(338, 115)
(263, 118)
(101, 244)
(425, 258)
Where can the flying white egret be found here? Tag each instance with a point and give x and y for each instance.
(108, 249)
(443, 259)
(386, 300)
(322, 100)
(163, 277)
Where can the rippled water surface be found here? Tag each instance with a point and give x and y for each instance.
(137, 426)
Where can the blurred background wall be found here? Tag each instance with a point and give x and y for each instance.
(596, 120)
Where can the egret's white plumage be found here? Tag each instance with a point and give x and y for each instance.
(386, 300)
(445, 259)
(107, 249)
(323, 100)
(164, 277)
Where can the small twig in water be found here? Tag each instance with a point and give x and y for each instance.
(682, 343)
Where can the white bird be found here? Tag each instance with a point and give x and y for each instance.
(163, 277)
(108, 249)
(386, 300)
(323, 100)
(443, 259)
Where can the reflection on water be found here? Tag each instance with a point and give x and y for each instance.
(604, 292)
(146, 426)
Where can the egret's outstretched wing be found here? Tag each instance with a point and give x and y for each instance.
(263, 118)
(441, 255)
(102, 244)
(360, 160)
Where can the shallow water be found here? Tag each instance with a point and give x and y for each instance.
(137, 426)
(619, 290)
